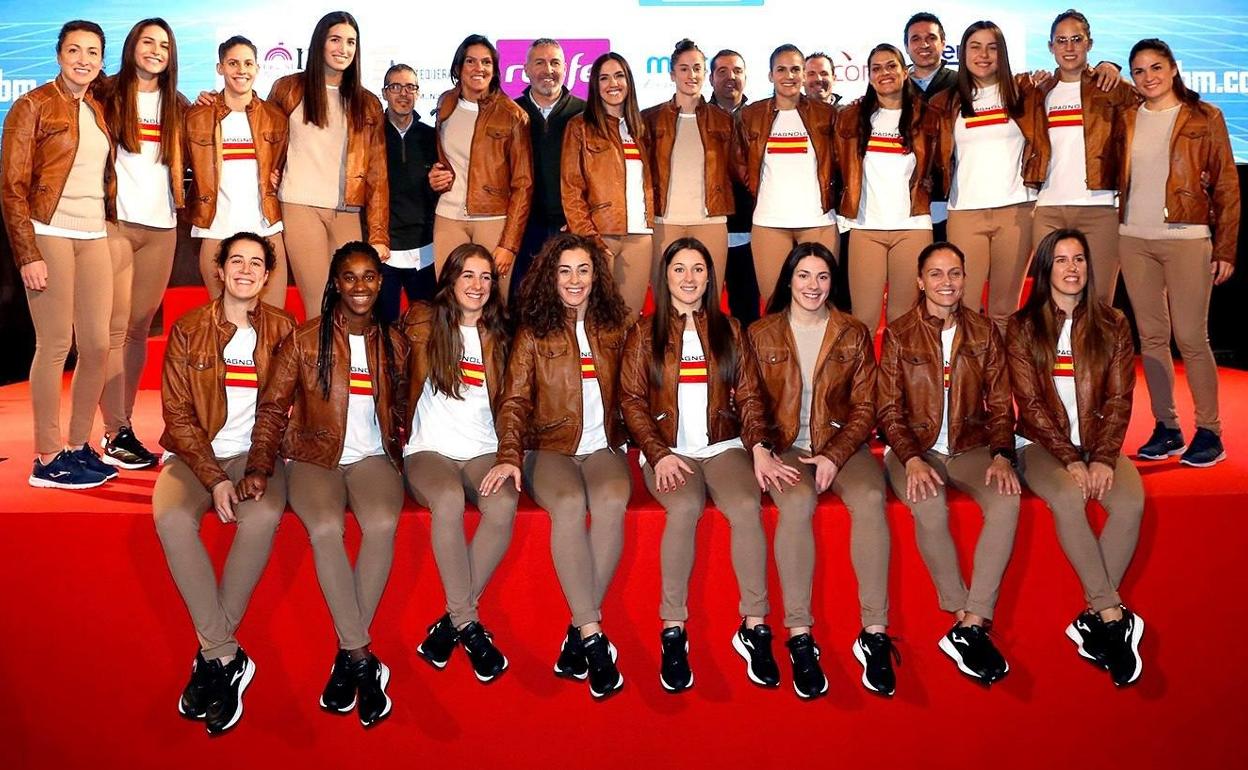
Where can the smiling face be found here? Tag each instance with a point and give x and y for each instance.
(1070, 46)
(686, 280)
(689, 73)
(544, 68)
(820, 77)
(80, 57)
(942, 280)
(151, 52)
(924, 43)
(787, 75)
(612, 84)
(1153, 74)
(1069, 274)
(811, 284)
(238, 68)
(472, 287)
(340, 45)
(982, 53)
(728, 79)
(574, 279)
(887, 73)
(477, 72)
(359, 283)
(244, 272)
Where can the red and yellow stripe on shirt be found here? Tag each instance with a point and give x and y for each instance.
(238, 151)
(1063, 118)
(241, 376)
(788, 145)
(149, 132)
(948, 376)
(888, 144)
(631, 151)
(1064, 366)
(472, 374)
(361, 384)
(993, 117)
(692, 372)
(588, 370)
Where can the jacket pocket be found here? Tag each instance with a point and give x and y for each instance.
(915, 358)
(200, 363)
(201, 140)
(273, 137)
(52, 128)
(549, 426)
(773, 356)
(552, 349)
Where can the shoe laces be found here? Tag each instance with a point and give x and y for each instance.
(882, 643)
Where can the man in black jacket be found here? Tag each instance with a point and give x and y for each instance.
(727, 70)
(550, 106)
(925, 42)
(411, 149)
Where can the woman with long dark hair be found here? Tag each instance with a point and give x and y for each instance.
(485, 162)
(459, 343)
(885, 143)
(690, 395)
(336, 158)
(561, 404)
(818, 373)
(1180, 211)
(958, 434)
(1072, 368)
(332, 411)
(607, 191)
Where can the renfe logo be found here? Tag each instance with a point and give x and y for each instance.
(578, 55)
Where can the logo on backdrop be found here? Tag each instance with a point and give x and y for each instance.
(280, 60)
(578, 57)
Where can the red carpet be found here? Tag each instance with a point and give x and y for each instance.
(97, 646)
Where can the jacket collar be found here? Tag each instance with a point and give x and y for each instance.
(671, 106)
(220, 109)
(729, 109)
(340, 325)
(935, 321)
(255, 315)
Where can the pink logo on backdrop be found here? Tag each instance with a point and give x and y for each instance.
(578, 55)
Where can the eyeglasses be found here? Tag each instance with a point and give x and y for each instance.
(402, 88)
(1061, 40)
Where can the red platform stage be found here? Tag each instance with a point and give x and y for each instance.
(97, 645)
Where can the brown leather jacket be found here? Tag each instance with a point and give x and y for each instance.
(292, 415)
(910, 392)
(754, 127)
(269, 132)
(192, 386)
(1032, 123)
(541, 406)
(500, 172)
(1103, 398)
(417, 326)
(103, 90)
(1102, 145)
(592, 178)
(37, 153)
(1203, 186)
(924, 144)
(652, 415)
(715, 128)
(367, 181)
(842, 410)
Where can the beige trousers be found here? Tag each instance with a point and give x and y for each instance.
(879, 258)
(312, 235)
(771, 246)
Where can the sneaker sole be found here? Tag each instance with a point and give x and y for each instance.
(1137, 633)
(492, 677)
(741, 649)
(129, 466)
(807, 696)
(248, 673)
(1073, 635)
(1163, 456)
(950, 649)
(344, 710)
(619, 685)
(862, 660)
(1210, 464)
(570, 674)
(39, 483)
(188, 715)
(426, 657)
(385, 682)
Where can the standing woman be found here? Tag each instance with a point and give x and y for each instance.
(690, 394)
(484, 171)
(785, 155)
(336, 160)
(960, 435)
(332, 409)
(561, 404)
(607, 191)
(1180, 222)
(690, 161)
(219, 358)
(818, 373)
(59, 188)
(459, 345)
(145, 110)
(1073, 369)
(887, 176)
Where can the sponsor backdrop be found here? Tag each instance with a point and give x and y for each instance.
(1210, 37)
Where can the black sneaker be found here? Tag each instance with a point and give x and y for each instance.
(65, 472)
(1088, 633)
(89, 459)
(571, 663)
(808, 679)
(339, 694)
(876, 653)
(440, 642)
(125, 451)
(974, 652)
(754, 644)
(194, 701)
(1165, 442)
(371, 677)
(226, 707)
(674, 672)
(487, 662)
(1123, 658)
(1205, 450)
(604, 678)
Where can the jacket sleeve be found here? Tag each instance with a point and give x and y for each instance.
(521, 199)
(858, 427)
(518, 393)
(890, 401)
(1224, 190)
(273, 409)
(184, 435)
(573, 186)
(17, 153)
(739, 153)
(377, 182)
(635, 396)
(748, 395)
(399, 380)
(1033, 410)
(1116, 405)
(998, 397)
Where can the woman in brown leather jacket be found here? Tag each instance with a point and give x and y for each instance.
(459, 345)
(1180, 222)
(818, 375)
(690, 395)
(1072, 367)
(606, 188)
(561, 404)
(943, 396)
(218, 359)
(332, 409)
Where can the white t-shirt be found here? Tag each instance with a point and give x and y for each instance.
(238, 188)
(593, 418)
(946, 346)
(634, 183)
(460, 429)
(788, 187)
(1067, 181)
(363, 434)
(988, 157)
(692, 431)
(1064, 380)
(241, 389)
(144, 196)
(887, 169)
